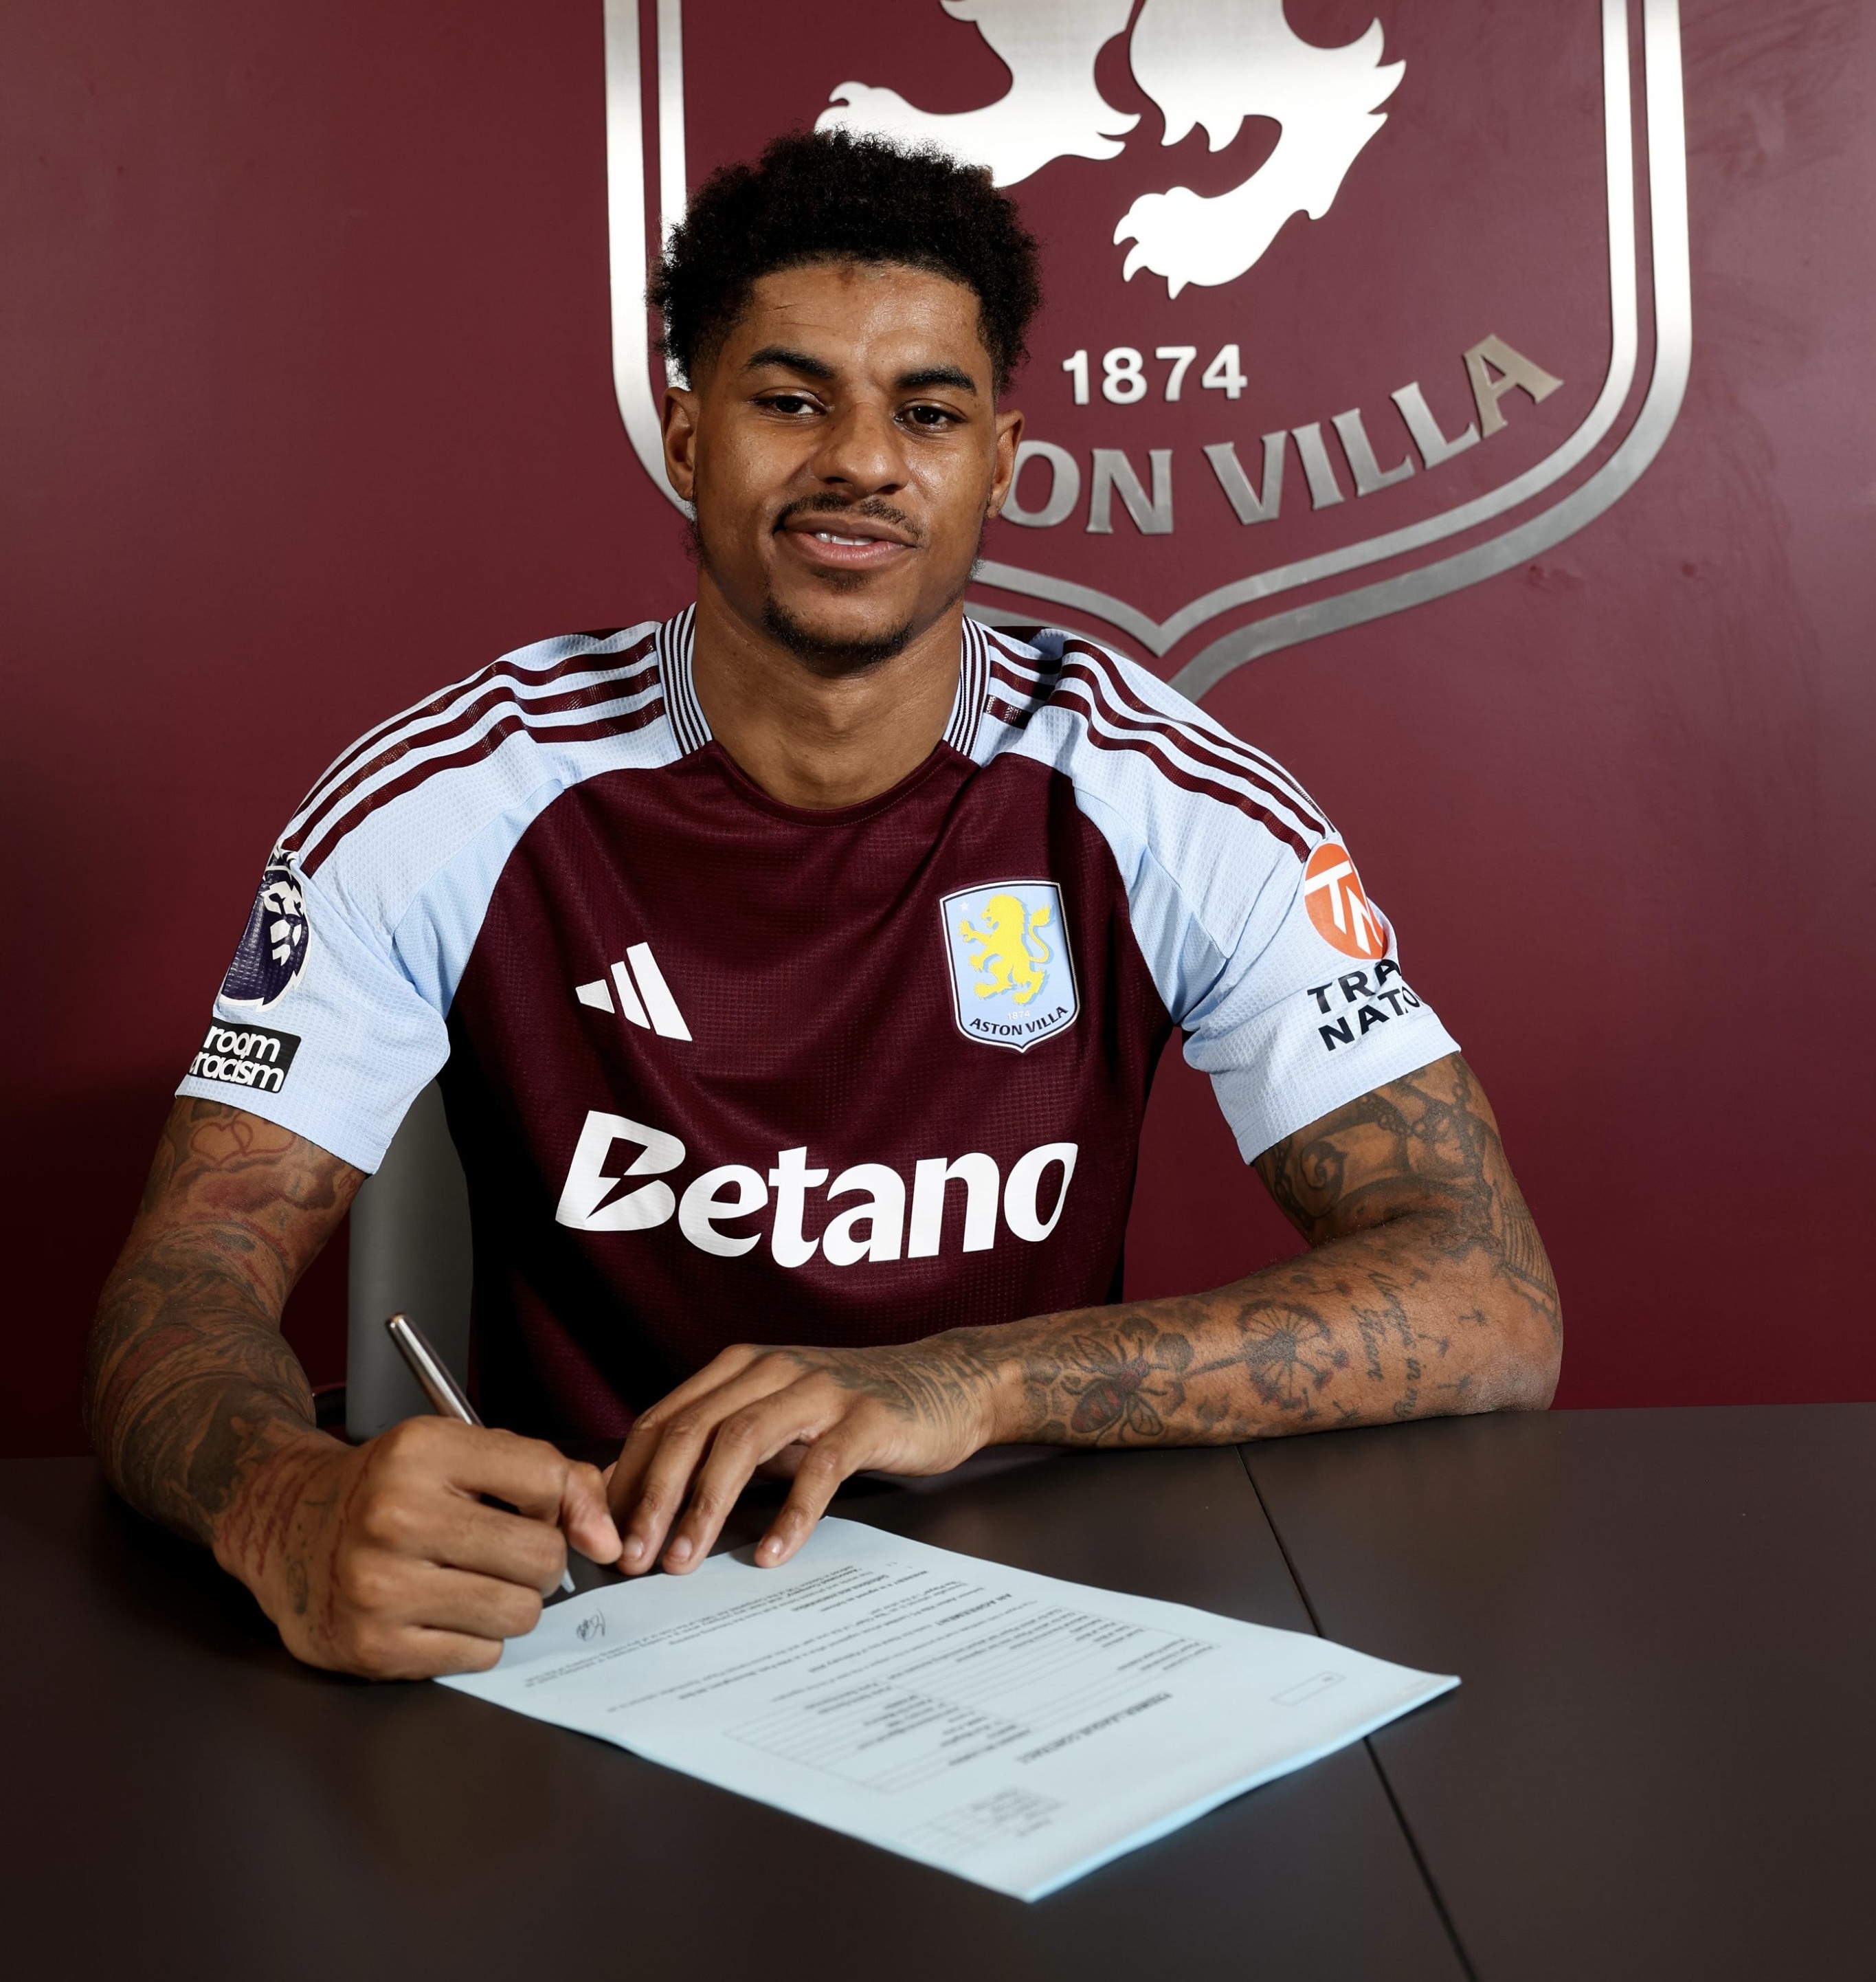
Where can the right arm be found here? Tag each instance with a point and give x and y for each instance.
(379, 1559)
(192, 1390)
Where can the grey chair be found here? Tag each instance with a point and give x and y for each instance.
(410, 1251)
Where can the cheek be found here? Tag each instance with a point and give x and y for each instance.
(727, 518)
(957, 495)
(736, 474)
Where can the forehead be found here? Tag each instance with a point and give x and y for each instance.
(869, 316)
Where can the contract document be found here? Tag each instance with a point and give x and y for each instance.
(1012, 1729)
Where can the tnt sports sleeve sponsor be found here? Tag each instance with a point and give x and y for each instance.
(319, 1027)
(1315, 1012)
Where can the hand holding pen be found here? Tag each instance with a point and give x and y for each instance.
(445, 1394)
(422, 1551)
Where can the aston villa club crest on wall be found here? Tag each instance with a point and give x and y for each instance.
(1345, 310)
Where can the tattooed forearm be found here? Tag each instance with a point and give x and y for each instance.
(1427, 1293)
(190, 1385)
(1428, 1144)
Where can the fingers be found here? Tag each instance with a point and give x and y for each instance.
(742, 1442)
(830, 1412)
(784, 1464)
(625, 1476)
(445, 1624)
(487, 1608)
(397, 1533)
(816, 1480)
(408, 1652)
(530, 1474)
(550, 1493)
(584, 1516)
(649, 1482)
(392, 1617)
(429, 1654)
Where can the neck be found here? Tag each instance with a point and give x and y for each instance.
(821, 741)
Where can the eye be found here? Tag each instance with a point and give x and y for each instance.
(933, 419)
(787, 402)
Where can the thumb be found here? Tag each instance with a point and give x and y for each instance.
(584, 1516)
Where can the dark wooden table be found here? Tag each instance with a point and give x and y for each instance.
(1659, 1763)
(1662, 1762)
(180, 1799)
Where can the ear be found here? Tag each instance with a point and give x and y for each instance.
(1009, 438)
(678, 418)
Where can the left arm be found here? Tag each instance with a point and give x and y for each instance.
(1426, 1292)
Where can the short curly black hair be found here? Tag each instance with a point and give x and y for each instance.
(831, 195)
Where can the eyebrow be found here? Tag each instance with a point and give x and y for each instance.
(926, 375)
(791, 361)
(936, 374)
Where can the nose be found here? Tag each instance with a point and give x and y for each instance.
(862, 451)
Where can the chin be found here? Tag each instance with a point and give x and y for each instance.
(838, 643)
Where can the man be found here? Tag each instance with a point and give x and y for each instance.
(796, 971)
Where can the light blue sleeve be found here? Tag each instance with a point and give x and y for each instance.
(1294, 1027)
(1291, 1015)
(318, 1026)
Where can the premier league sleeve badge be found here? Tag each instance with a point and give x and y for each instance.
(272, 951)
(1012, 979)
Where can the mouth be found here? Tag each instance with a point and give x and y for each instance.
(846, 543)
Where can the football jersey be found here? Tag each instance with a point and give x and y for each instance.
(722, 1069)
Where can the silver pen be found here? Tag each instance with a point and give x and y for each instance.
(443, 1390)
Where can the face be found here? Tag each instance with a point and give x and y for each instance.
(844, 451)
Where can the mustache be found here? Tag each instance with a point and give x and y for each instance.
(876, 507)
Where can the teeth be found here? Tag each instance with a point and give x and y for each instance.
(828, 537)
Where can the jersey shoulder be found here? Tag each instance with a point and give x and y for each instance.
(486, 753)
(1138, 750)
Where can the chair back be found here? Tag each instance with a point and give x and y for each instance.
(410, 1251)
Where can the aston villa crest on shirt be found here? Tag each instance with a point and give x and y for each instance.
(1012, 981)
(1350, 303)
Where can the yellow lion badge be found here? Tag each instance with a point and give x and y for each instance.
(1011, 986)
(1012, 958)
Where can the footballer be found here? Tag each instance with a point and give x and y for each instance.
(795, 970)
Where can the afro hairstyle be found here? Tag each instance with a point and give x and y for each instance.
(830, 195)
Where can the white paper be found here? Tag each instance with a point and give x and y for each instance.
(1012, 1729)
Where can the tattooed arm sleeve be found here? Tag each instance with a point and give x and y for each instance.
(190, 1384)
(1426, 1292)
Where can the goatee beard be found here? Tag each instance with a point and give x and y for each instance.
(832, 657)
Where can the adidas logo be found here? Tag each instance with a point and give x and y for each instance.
(644, 997)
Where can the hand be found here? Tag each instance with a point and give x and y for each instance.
(381, 1560)
(824, 1413)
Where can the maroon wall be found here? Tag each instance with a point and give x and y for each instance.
(307, 407)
